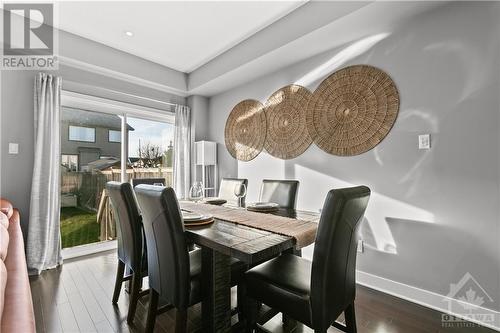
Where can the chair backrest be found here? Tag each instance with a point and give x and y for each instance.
(128, 224)
(333, 283)
(149, 181)
(282, 192)
(226, 190)
(168, 257)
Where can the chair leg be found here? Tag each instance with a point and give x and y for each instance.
(128, 284)
(134, 296)
(153, 306)
(181, 321)
(350, 319)
(285, 319)
(119, 280)
(288, 322)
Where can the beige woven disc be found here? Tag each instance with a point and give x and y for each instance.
(287, 136)
(352, 110)
(245, 131)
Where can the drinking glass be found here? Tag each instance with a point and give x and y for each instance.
(240, 190)
(196, 192)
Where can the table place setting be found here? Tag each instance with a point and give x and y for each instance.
(196, 219)
(303, 231)
(214, 201)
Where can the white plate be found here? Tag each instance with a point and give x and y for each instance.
(263, 205)
(214, 199)
(189, 216)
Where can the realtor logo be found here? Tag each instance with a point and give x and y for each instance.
(465, 303)
(28, 34)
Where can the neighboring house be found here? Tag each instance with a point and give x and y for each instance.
(87, 137)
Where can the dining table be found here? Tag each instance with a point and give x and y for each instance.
(252, 238)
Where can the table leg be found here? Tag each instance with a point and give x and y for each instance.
(288, 322)
(216, 302)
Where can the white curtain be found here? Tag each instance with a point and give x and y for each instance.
(43, 248)
(182, 151)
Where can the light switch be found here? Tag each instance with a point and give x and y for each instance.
(13, 148)
(424, 141)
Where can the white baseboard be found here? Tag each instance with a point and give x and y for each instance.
(423, 297)
(83, 250)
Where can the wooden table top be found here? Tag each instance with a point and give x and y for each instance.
(245, 243)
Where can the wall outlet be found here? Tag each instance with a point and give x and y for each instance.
(361, 246)
(424, 141)
(13, 148)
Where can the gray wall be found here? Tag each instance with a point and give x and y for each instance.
(434, 214)
(199, 112)
(16, 121)
(16, 116)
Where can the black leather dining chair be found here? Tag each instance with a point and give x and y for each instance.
(174, 272)
(314, 293)
(131, 246)
(282, 192)
(226, 190)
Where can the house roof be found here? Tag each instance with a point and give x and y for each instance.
(92, 119)
(104, 163)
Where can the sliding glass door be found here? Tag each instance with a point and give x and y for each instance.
(92, 146)
(90, 156)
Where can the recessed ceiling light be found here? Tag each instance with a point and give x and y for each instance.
(129, 33)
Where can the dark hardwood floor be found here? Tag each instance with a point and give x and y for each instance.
(77, 298)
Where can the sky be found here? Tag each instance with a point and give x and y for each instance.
(154, 132)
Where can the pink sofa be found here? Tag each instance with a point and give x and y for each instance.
(16, 305)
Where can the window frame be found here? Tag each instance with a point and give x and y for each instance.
(162, 111)
(69, 134)
(117, 131)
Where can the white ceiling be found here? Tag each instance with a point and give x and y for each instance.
(317, 27)
(180, 35)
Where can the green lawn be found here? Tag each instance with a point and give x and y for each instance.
(78, 227)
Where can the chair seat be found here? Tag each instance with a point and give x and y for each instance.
(283, 283)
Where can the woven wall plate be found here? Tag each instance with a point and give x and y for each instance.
(352, 110)
(245, 131)
(287, 136)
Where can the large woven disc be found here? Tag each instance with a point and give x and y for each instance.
(245, 131)
(352, 110)
(287, 136)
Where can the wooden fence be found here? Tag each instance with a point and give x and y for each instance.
(88, 186)
(89, 189)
